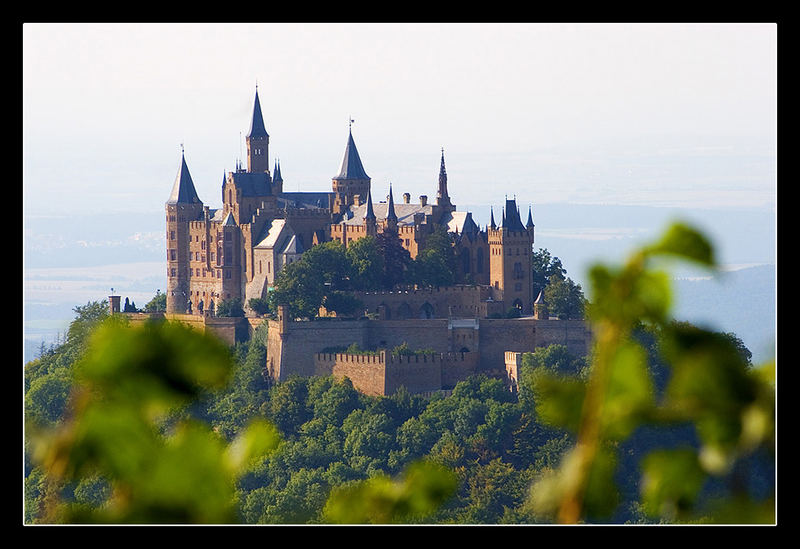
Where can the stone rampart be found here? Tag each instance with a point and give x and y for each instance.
(384, 373)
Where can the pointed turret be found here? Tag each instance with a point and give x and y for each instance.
(183, 191)
(391, 216)
(529, 224)
(511, 218)
(277, 176)
(491, 219)
(351, 180)
(257, 141)
(351, 163)
(370, 215)
(257, 128)
(442, 197)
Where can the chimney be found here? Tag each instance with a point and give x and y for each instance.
(406, 198)
(423, 200)
(357, 200)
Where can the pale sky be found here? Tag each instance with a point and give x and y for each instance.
(651, 114)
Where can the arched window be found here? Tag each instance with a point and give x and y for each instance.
(479, 260)
(465, 260)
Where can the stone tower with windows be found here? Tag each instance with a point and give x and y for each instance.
(351, 181)
(182, 207)
(510, 247)
(257, 142)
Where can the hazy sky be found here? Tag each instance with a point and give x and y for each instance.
(663, 114)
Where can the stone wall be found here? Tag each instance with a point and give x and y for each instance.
(383, 373)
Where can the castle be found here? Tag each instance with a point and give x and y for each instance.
(236, 251)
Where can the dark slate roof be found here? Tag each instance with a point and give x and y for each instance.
(351, 163)
(277, 175)
(529, 224)
(305, 199)
(370, 213)
(183, 190)
(253, 184)
(511, 219)
(404, 212)
(257, 128)
(390, 213)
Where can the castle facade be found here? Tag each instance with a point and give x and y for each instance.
(236, 251)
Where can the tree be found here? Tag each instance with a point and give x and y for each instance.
(259, 305)
(396, 259)
(367, 264)
(564, 298)
(435, 264)
(158, 303)
(230, 307)
(544, 266)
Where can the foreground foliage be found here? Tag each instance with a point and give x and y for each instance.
(664, 422)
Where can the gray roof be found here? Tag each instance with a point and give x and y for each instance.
(257, 128)
(351, 163)
(253, 184)
(404, 212)
(305, 199)
(183, 190)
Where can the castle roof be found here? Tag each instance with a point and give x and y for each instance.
(277, 175)
(511, 219)
(351, 163)
(370, 213)
(403, 212)
(252, 183)
(257, 128)
(229, 221)
(183, 190)
(529, 224)
(274, 234)
(461, 223)
(305, 200)
(390, 213)
(293, 246)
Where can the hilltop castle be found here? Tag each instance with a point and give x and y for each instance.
(236, 251)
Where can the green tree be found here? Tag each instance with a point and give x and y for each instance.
(158, 303)
(125, 384)
(396, 259)
(435, 264)
(564, 298)
(259, 305)
(367, 265)
(230, 307)
(544, 266)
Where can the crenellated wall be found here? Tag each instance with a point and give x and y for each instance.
(384, 373)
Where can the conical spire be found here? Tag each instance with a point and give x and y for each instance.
(277, 176)
(183, 190)
(257, 128)
(491, 222)
(511, 219)
(442, 197)
(529, 224)
(390, 214)
(351, 163)
(370, 215)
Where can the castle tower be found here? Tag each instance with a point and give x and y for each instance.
(370, 220)
(540, 311)
(510, 262)
(277, 179)
(182, 207)
(352, 179)
(442, 197)
(257, 142)
(391, 216)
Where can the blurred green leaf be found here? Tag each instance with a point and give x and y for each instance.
(558, 399)
(259, 437)
(671, 480)
(629, 395)
(687, 243)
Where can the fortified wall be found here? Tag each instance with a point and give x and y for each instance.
(296, 348)
(384, 373)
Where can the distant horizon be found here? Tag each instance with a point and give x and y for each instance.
(640, 114)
